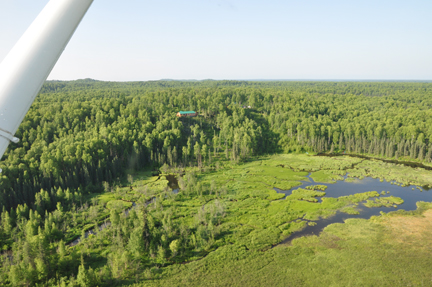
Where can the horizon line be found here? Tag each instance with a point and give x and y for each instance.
(252, 80)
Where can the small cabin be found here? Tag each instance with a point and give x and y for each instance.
(187, 114)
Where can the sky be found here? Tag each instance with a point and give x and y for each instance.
(140, 40)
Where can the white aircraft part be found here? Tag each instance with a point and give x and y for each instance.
(28, 64)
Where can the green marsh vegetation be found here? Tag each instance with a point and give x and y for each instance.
(357, 253)
(90, 151)
(384, 201)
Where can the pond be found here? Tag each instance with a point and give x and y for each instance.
(410, 195)
(172, 181)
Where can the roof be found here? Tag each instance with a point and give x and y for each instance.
(187, 112)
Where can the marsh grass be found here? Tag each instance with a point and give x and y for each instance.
(317, 187)
(384, 202)
(356, 253)
(326, 176)
(305, 194)
(350, 210)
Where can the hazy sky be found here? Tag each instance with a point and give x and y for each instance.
(132, 40)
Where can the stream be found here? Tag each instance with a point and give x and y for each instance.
(410, 195)
(172, 183)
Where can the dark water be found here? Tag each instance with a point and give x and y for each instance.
(342, 188)
(172, 181)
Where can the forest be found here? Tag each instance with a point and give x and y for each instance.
(107, 186)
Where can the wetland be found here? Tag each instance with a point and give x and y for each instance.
(311, 214)
(271, 184)
(408, 195)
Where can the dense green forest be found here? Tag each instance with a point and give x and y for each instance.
(89, 150)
